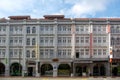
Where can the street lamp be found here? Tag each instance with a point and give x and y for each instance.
(111, 56)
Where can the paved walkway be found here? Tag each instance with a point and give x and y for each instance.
(60, 78)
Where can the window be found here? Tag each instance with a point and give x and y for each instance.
(20, 52)
(59, 39)
(28, 41)
(20, 28)
(20, 40)
(94, 28)
(46, 40)
(16, 39)
(87, 51)
(77, 54)
(3, 52)
(28, 29)
(51, 28)
(69, 28)
(41, 28)
(104, 51)
(0, 52)
(33, 41)
(82, 28)
(64, 39)
(77, 28)
(11, 40)
(95, 39)
(59, 28)
(41, 40)
(82, 39)
(59, 53)
(69, 39)
(16, 28)
(46, 52)
(11, 53)
(51, 40)
(77, 39)
(99, 51)
(104, 39)
(69, 52)
(87, 39)
(99, 39)
(0, 39)
(64, 28)
(104, 28)
(41, 53)
(4, 28)
(95, 52)
(82, 51)
(51, 53)
(46, 28)
(11, 29)
(33, 30)
(64, 53)
(28, 54)
(3, 40)
(15, 52)
(33, 54)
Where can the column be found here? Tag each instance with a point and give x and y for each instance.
(73, 46)
(55, 69)
(55, 38)
(7, 66)
(91, 69)
(107, 67)
(37, 74)
(24, 64)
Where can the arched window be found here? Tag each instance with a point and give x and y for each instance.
(112, 29)
(33, 30)
(28, 29)
(33, 41)
(28, 54)
(112, 41)
(33, 54)
(117, 29)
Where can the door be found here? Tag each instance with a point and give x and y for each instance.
(30, 71)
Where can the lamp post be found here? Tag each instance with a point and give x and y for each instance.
(111, 56)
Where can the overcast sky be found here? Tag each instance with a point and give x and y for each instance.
(69, 8)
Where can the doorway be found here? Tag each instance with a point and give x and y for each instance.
(30, 71)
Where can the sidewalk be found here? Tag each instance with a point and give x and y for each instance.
(58, 78)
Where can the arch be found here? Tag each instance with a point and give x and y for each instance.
(2, 69)
(15, 69)
(99, 70)
(95, 70)
(102, 70)
(33, 54)
(78, 71)
(64, 70)
(34, 30)
(115, 71)
(46, 70)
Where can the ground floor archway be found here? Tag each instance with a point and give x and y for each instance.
(115, 71)
(99, 70)
(2, 69)
(15, 69)
(81, 70)
(46, 70)
(64, 70)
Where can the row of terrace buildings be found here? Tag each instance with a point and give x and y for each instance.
(59, 46)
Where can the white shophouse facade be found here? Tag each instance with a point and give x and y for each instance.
(55, 46)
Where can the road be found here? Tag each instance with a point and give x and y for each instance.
(58, 78)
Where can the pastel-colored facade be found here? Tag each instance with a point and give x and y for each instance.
(58, 46)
